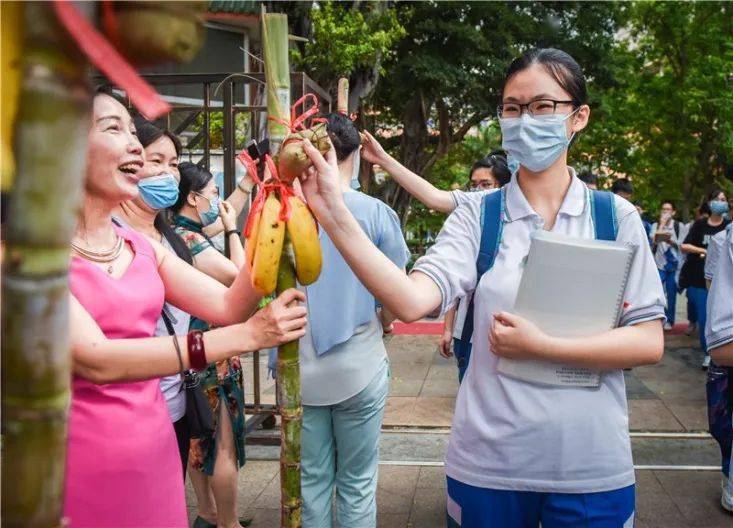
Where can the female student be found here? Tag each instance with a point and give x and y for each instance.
(486, 175)
(122, 465)
(695, 244)
(521, 454)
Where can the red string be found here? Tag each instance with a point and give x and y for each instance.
(107, 59)
(298, 123)
(264, 189)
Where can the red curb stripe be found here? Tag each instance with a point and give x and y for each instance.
(418, 328)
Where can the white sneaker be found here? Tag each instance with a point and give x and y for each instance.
(691, 329)
(667, 326)
(706, 363)
(726, 498)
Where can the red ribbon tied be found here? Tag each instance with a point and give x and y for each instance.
(298, 123)
(264, 189)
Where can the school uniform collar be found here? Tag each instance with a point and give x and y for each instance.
(517, 206)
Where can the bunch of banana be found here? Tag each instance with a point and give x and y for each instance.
(265, 243)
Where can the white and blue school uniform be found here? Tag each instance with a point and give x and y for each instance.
(344, 378)
(667, 257)
(719, 332)
(522, 452)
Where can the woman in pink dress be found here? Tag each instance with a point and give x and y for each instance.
(122, 466)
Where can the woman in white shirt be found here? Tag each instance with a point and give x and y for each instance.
(521, 454)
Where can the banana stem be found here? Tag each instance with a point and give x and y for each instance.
(290, 407)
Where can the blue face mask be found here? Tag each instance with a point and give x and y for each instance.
(534, 142)
(512, 163)
(209, 217)
(159, 192)
(718, 207)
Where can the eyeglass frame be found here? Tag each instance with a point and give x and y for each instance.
(479, 187)
(523, 106)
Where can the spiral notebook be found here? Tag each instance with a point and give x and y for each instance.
(570, 287)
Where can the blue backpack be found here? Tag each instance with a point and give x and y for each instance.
(605, 225)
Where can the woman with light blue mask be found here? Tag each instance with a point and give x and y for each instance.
(521, 453)
(695, 246)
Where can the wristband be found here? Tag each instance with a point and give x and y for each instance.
(246, 185)
(196, 351)
(232, 231)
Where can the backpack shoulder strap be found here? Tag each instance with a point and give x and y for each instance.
(603, 214)
(492, 210)
(492, 226)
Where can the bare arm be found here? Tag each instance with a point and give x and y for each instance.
(690, 248)
(195, 292)
(419, 187)
(514, 337)
(237, 200)
(409, 297)
(103, 360)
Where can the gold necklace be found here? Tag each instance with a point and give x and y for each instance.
(104, 256)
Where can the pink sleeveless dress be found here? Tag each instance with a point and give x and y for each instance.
(122, 463)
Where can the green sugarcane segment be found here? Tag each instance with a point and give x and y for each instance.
(277, 75)
(50, 146)
(290, 407)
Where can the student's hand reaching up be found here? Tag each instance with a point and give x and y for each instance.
(515, 337)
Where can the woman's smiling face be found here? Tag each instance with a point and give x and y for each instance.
(114, 156)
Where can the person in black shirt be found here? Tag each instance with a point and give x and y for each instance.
(695, 246)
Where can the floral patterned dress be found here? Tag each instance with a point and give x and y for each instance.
(222, 382)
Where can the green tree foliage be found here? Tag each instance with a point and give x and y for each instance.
(667, 123)
(345, 39)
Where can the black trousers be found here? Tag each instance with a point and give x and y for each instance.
(183, 436)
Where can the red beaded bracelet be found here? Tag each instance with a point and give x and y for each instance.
(196, 350)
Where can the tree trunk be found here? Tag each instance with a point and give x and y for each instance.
(50, 148)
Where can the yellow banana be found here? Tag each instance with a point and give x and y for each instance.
(269, 246)
(303, 235)
(251, 241)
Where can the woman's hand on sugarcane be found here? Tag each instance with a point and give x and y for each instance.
(280, 322)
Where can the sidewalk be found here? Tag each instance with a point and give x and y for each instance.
(666, 400)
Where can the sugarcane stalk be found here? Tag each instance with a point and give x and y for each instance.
(277, 79)
(291, 409)
(50, 147)
(277, 75)
(342, 99)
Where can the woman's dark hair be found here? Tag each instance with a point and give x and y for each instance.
(587, 176)
(713, 195)
(622, 185)
(343, 133)
(108, 90)
(193, 179)
(497, 164)
(670, 202)
(149, 133)
(559, 64)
